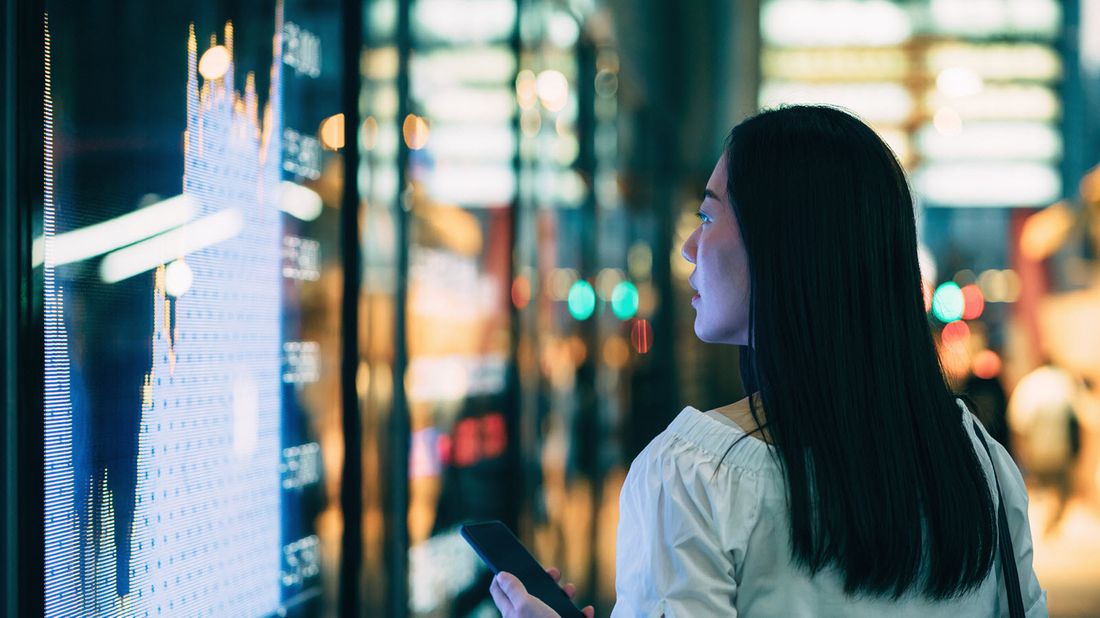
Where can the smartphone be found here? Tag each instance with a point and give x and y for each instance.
(502, 551)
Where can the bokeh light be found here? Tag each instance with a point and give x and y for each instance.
(947, 121)
(553, 90)
(526, 89)
(368, 134)
(521, 291)
(582, 300)
(530, 122)
(1000, 286)
(332, 132)
(563, 29)
(178, 278)
(606, 84)
(214, 62)
(641, 336)
(964, 277)
(987, 364)
(955, 333)
(616, 352)
(640, 260)
(559, 282)
(624, 300)
(1046, 231)
(415, 132)
(948, 302)
(973, 302)
(606, 280)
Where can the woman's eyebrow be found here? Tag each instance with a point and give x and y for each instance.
(708, 193)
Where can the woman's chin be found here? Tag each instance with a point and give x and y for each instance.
(708, 334)
(703, 333)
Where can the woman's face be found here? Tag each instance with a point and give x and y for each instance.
(721, 276)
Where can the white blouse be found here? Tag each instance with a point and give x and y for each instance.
(700, 535)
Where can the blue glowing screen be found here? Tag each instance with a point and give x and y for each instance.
(183, 227)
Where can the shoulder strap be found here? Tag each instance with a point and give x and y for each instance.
(1008, 553)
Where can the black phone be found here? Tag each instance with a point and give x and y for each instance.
(502, 551)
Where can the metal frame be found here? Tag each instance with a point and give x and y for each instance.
(395, 451)
(351, 485)
(9, 276)
(23, 86)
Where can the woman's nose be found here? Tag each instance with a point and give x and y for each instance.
(689, 246)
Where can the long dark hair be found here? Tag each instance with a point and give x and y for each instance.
(883, 483)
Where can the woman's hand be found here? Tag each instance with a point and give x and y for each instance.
(513, 601)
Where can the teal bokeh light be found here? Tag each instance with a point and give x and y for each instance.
(948, 302)
(624, 300)
(582, 300)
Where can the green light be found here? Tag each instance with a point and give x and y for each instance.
(948, 302)
(582, 300)
(624, 300)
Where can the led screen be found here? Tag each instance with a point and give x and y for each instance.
(189, 274)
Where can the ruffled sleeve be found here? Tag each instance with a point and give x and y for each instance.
(685, 514)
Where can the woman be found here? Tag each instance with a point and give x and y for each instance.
(853, 482)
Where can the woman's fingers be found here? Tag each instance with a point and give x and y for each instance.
(511, 586)
(512, 600)
(503, 603)
(569, 588)
(554, 574)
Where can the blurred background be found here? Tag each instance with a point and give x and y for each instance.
(424, 269)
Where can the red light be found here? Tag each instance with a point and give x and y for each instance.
(955, 333)
(987, 364)
(973, 302)
(641, 336)
(443, 448)
(494, 434)
(466, 451)
(476, 439)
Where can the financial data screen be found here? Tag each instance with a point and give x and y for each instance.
(191, 278)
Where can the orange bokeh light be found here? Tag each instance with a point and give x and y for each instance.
(521, 292)
(415, 131)
(987, 364)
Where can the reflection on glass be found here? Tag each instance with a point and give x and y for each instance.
(460, 187)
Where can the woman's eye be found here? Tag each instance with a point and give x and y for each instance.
(702, 217)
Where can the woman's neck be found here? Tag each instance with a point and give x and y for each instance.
(740, 413)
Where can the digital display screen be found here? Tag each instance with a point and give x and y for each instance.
(191, 289)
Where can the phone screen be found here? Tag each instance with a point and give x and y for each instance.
(502, 551)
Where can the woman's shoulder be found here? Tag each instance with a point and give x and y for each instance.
(700, 469)
(709, 439)
(993, 457)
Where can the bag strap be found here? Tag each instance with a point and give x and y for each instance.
(1008, 553)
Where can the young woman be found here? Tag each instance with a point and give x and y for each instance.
(852, 482)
